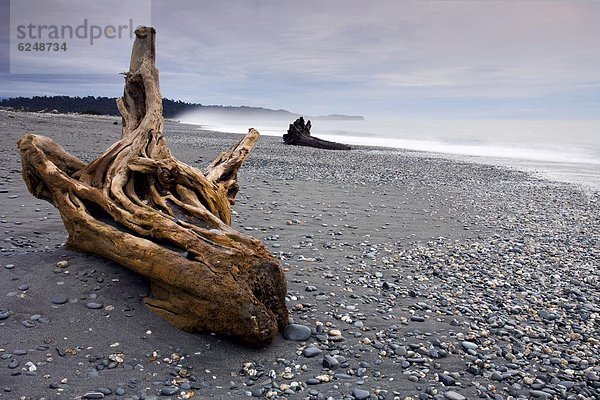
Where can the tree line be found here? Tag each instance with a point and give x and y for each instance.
(96, 105)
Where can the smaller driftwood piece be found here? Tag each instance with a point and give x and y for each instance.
(139, 206)
(299, 134)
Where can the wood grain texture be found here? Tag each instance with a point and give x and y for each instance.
(139, 206)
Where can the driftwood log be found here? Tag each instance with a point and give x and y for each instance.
(299, 134)
(139, 206)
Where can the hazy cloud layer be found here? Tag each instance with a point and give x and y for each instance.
(465, 59)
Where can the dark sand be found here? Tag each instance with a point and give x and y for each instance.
(445, 279)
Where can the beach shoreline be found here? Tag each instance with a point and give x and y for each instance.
(419, 275)
(545, 162)
(575, 162)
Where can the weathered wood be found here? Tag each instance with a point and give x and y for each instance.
(139, 206)
(299, 134)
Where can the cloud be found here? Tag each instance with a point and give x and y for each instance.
(349, 56)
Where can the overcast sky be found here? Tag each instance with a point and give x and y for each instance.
(409, 59)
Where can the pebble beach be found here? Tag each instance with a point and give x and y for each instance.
(410, 276)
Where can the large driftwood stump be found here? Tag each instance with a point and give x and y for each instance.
(299, 134)
(139, 206)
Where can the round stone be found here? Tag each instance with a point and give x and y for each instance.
(452, 395)
(9, 266)
(4, 314)
(169, 390)
(93, 395)
(28, 323)
(60, 299)
(23, 287)
(497, 376)
(311, 351)
(469, 345)
(330, 362)
(296, 332)
(93, 305)
(540, 394)
(446, 380)
(360, 394)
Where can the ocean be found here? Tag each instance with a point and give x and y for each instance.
(559, 150)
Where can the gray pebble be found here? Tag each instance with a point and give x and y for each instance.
(592, 376)
(93, 305)
(60, 299)
(311, 351)
(539, 394)
(360, 394)
(447, 380)
(104, 390)
(469, 345)
(330, 362)
(296, 332)
(452, 395)
(497, 376)
(169, 390)
(93, 395)
(28, 323)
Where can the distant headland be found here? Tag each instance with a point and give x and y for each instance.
(171, 108)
